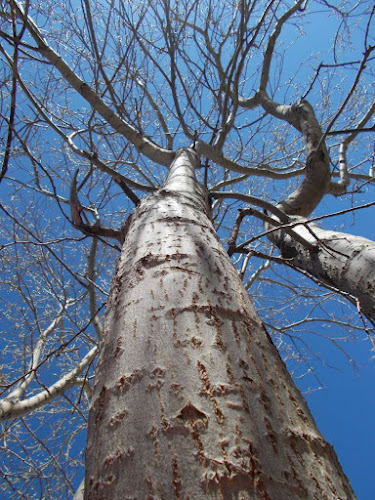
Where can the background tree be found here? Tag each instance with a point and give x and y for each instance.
(97, 97)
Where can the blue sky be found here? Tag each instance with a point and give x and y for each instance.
(345, 408)
(345, 413)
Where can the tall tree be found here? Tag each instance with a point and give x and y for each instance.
(157, 127)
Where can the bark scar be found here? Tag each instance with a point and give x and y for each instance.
(190, 415)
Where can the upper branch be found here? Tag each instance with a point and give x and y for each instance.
(272, 41)
(140, 141)
(315, 184)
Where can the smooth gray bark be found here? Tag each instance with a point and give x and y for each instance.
(191, 397)
(303, 200)
(343, 261)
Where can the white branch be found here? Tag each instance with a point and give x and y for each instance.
(343, 183)
(19, 392)
(9, 409)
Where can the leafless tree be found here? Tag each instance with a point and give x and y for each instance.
(146, 145)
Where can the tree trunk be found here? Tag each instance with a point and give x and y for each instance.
(341, 260)
(192, 400)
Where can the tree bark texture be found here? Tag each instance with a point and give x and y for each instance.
(306, 197)
(344, 261)
(192, 400)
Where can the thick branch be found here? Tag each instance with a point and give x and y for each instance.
(342, 260)
(316, 182)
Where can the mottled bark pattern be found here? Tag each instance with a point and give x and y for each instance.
(192, 400)
(344, 261)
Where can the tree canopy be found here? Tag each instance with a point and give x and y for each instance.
(277, 98)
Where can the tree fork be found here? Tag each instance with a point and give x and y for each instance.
(191, 397)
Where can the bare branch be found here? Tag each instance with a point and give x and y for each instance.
(142, 143)
(9, 409)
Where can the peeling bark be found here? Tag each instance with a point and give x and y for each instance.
(191, 398)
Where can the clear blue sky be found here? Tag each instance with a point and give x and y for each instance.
(345, 414)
